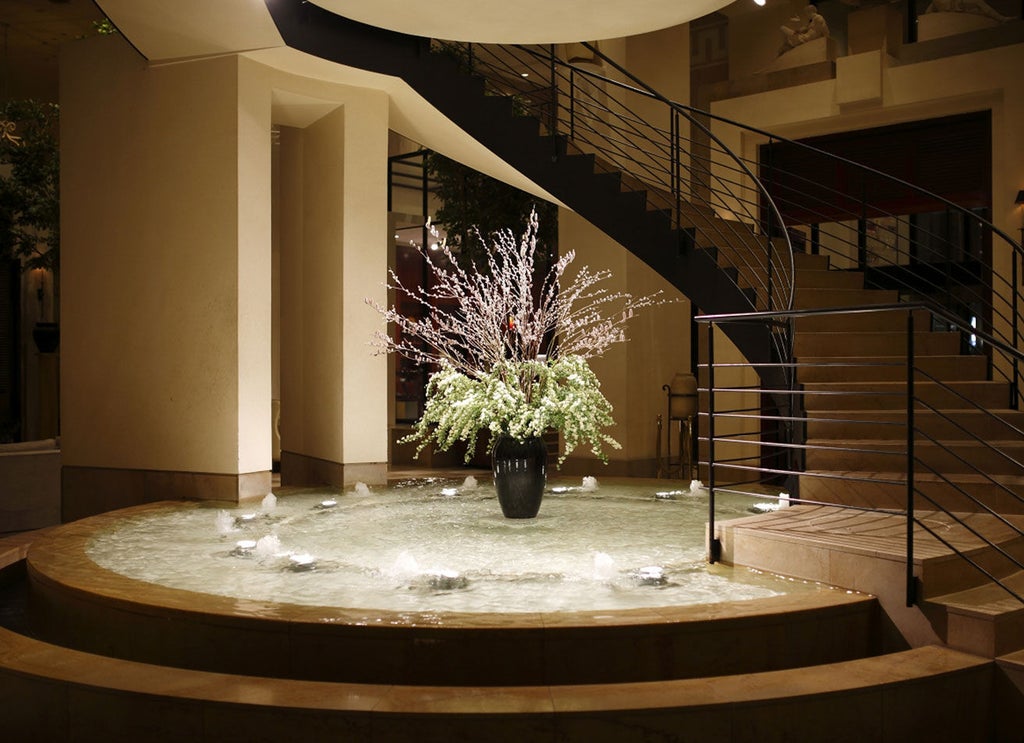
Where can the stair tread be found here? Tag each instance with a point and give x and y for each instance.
(901, 477)
(988, 600)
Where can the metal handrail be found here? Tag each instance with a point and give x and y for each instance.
(914, 467)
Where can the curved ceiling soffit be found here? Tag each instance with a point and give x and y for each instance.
(522, 21)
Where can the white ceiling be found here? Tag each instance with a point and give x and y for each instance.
(163, 30)
(523, 21)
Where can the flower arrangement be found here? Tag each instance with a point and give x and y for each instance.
(512, 352)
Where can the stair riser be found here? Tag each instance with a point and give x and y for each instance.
(843, 280)
(987, 395)
(811, 262)
(932, 494)
(948, 369)
(861, 322)
(881, 424)
(958, 460)
(805, 299)
(875, 344)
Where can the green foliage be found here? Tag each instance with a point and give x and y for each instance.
(520, 399)
(474, 207)
(30, 190)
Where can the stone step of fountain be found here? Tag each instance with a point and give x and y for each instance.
(77, 603)
(926, 693)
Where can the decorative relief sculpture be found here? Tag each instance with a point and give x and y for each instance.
(974, 7)
(807, 26)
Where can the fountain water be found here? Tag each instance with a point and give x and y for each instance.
(433, 545)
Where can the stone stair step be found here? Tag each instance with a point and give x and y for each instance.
(939, 693)
(811, 262)
(885, 489)
(890, 424)
(986, 620)
(867, 551)
(892, 395)
(874, 343)
(810, 278)
(890, 368)
(862, 321)
(810, 298)
(948, 457)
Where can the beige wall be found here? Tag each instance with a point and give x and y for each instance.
(632, 373)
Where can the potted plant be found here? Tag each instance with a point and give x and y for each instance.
(510, 353)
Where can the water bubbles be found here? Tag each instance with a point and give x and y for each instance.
(469, 483)
(361, 488)
(449, 492)
(696, 486)
(589, 484)
(269, 503)
(325, 504)
(604, 566)
(405, 565)
(225, 522)
(268, 546)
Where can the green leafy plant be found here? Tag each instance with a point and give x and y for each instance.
(30, 191)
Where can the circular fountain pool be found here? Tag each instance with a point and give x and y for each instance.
(420, 583)
(440, 546)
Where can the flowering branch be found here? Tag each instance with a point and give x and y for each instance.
(495, 315)
(512, 356)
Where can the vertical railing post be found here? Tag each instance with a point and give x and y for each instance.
(714, 545)
(554, 99)
(677, 186)
(1015, 292)
(770, 225)
(911, 582)
(572, 103)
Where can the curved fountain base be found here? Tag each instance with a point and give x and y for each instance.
(56, 693)
(78, 604)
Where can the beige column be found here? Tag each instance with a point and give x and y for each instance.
(334, 240)
(166, 279)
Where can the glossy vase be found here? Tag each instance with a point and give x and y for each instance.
(519, 469)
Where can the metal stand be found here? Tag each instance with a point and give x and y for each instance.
(681, 407)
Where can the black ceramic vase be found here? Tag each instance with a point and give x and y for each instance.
(519, 469)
